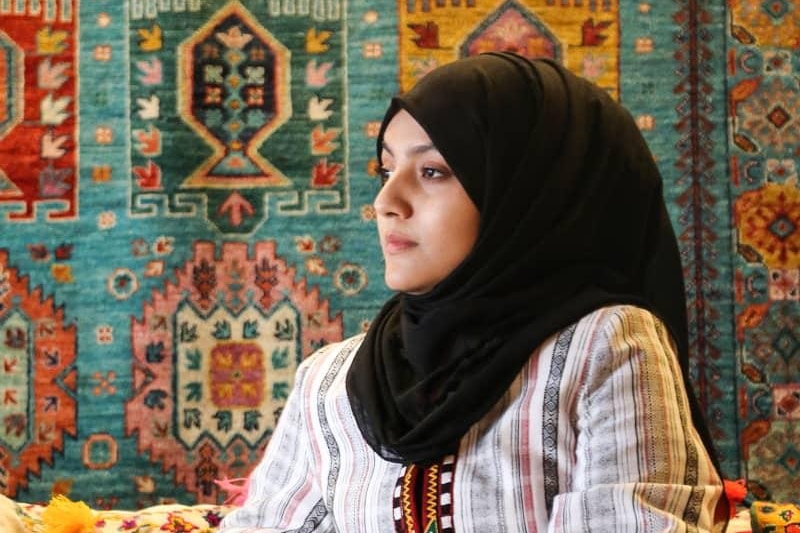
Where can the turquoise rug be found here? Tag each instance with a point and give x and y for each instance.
(185, 190)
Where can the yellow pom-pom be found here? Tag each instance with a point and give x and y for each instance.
(65, 516)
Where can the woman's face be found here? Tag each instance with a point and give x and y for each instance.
(426, 221)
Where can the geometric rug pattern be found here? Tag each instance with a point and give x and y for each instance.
(764, 151)
(185, 213)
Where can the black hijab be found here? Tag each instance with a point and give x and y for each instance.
(572, 218)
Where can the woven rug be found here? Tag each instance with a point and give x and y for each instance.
(185, 190)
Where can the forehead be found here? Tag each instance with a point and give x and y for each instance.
(404, 133)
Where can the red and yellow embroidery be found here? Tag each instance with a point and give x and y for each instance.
(423, 498)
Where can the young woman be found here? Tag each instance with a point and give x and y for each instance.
(530, 373)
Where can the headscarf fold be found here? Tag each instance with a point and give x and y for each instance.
(572, 218)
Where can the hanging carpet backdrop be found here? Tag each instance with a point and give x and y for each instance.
(185, 191)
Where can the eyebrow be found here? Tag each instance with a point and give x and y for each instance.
(416, 149)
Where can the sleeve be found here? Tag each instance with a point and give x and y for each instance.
(639, 464)
(284, 492)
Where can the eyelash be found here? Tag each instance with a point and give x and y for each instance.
(383, 174)
(429, 173)
(430, 170)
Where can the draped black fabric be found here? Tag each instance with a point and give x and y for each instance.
(572, 218)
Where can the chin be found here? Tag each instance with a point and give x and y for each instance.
(403, 285)
(407, 288)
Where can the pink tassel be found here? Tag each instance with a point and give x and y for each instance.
(236, 489)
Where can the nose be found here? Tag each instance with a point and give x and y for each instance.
(393, 200)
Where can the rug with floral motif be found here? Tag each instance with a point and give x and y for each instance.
(185, 213)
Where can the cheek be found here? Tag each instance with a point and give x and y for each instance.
(456, 229)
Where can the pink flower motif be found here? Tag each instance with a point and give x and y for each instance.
(305, 244)
(213, 518)
(164, 245)
(594, 66)
(329, 244)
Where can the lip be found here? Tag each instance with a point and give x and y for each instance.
(395, 243)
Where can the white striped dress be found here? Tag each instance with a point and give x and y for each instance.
(594, 435)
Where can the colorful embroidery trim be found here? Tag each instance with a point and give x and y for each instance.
(423, 498)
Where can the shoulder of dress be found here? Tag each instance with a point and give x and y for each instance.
(350, 343)
(335, 354)
(617, 331)
(611, 316)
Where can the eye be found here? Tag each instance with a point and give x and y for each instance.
(431, 173)
(384, 173)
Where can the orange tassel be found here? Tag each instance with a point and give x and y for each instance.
(65, 516)
(736, 492)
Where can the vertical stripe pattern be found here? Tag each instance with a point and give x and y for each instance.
(593, 435)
